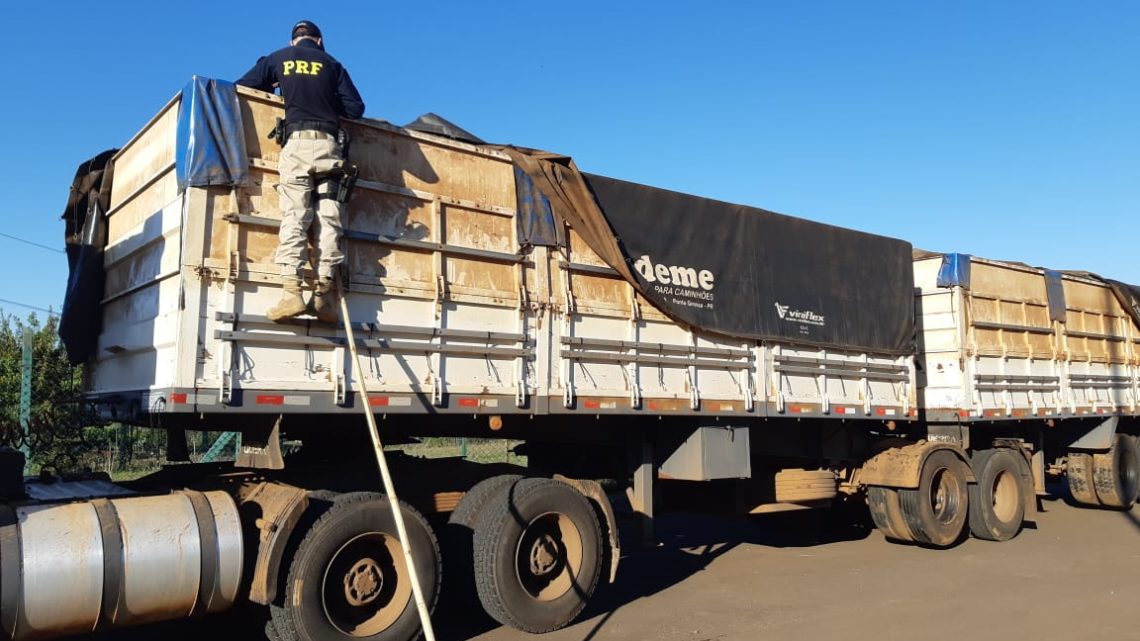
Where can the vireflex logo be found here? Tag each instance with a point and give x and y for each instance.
(806, 317)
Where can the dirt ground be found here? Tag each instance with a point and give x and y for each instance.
(1074, 576)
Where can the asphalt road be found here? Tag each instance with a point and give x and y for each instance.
(1075, 576)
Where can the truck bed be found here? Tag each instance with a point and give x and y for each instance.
(452, 313)
(1001, 340)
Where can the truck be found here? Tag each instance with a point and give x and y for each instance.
(652, 350)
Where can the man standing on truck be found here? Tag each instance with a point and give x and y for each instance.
(318, 92)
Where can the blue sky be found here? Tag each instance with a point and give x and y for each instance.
(1002, 129)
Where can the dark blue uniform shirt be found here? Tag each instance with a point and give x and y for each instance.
(314, 85)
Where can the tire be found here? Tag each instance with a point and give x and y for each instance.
(473, 501)
(538, 555)
(460, 535)
(796, 485)
(1079, 474)
(1116, 473)
(997, 500)
(883, 503)
(937, 510)
(348, 579)
(271, 633)
(279, 627)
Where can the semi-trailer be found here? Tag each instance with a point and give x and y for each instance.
(649, 348)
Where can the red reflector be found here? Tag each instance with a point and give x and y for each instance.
(378, 401)
(881, 411)
(592, 405)
(654, 406)
(964, 413)
(468, 402)
(270, 399)
(178, 397)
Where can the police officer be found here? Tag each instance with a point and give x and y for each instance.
(318, 92)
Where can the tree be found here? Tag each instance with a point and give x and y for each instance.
(56, 435)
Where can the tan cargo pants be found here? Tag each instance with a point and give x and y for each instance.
(304, 155)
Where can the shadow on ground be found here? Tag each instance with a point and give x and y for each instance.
(687, 544)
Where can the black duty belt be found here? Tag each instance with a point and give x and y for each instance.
(311, 125)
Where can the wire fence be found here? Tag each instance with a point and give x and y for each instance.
(478, 450)
(128, 453)
(223, 446)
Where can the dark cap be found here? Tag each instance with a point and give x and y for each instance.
(310, 29)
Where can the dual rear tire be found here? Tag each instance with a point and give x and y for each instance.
(937, 512)
(1108, 479)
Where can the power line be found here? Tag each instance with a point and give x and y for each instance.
(38, 309)
(31, 242)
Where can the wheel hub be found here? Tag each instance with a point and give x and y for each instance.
(549, 556)
(943, 498)
(363, 582)
(544, 555)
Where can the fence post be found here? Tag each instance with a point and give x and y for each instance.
(26, 398)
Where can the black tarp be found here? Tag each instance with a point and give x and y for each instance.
(80, 198)
(81, 318)
(747, 272)
(430, 123)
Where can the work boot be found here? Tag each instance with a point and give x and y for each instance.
(291, 302)
(325, 301)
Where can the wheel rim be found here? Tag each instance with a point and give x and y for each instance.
(1005, 496)
(548, 559)
(366, 585)
(945, 492)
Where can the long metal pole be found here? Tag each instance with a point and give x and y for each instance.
(385, 474)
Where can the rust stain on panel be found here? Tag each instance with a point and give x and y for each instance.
(483, 275)
(390, 215)
(612, 292)
(398, 160)
(580, 252)
(259, 197)
(263, 117)
(370, 262)
(1010, 284)
(478, 230)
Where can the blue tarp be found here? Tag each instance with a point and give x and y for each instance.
(210, 141)
(536, 225)
(955, 271)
